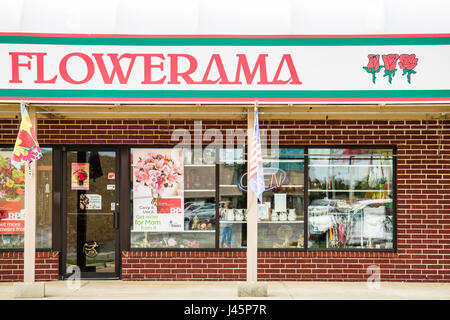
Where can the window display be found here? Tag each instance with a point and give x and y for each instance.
(182, 212)
(350, 198)
(349, 201)
(12, 201)
(233, 198)
(280, 217)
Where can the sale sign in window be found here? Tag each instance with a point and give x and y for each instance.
(11, 218)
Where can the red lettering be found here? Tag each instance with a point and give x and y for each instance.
(148, 68)
(89, 65)
(40, 70)
(117, 68)
(260, 64)
(15, 65)
(292, 71)
(215, 58)
(174, 73)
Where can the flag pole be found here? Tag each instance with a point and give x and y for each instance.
(252, 220)
(29, 250)
(251, 288)
(30, 214)
(29, 288)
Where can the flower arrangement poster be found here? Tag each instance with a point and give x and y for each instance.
(80, 176)
(158, 190)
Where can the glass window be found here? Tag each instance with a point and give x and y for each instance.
(350, 198)
(233, 199)
(281, 215)
(44, 200)
(12, 201)
(180, 210)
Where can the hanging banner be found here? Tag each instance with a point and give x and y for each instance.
(80, 176)
(296, 68)
(158, 190)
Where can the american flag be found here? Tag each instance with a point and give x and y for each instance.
(256, 173)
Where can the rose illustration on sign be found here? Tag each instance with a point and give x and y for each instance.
(374, 65)
(390, 62)
(408, 62)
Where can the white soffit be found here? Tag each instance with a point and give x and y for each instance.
(245, 17)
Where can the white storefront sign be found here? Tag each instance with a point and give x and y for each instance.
(346, 68)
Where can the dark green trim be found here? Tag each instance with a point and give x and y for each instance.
(225, 94)
(369, 41)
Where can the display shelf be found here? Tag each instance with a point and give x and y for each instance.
(199, 165)
(333, 190)
(349, 165)
(244, 221)
(205, 231)
(282, 186)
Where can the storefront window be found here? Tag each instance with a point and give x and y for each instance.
(349, 205)
(173, 195)
(12, 201)
(44, 200)
(350, 198)
(233, 199)
(281, 215)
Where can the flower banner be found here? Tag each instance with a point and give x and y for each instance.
(27, 147)
(158, 190)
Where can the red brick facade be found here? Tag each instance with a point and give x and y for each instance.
(11, 266)
(423, 199)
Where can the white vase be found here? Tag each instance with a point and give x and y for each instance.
(274, 216)
(229, 214)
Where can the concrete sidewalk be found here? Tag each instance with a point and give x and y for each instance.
(213, 290)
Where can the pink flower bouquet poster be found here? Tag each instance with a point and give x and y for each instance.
(157, 176)
(80, 176)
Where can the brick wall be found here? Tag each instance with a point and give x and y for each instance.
(11, 266)
(272, 266)
(423, 198)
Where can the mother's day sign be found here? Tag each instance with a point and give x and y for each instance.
(158, 186)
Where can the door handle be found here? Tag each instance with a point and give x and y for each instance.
(116, 216)
(116, 220)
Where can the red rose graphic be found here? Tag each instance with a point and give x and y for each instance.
(373, 66)
(390, 62)
(408, 62)
(374, 61)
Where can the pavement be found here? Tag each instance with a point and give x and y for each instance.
(217, 290)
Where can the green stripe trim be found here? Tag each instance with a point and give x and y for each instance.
(226, 41)
(224, 94)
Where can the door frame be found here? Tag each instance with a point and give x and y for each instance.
(63, 205)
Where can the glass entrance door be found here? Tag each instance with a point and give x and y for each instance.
(92, 213)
